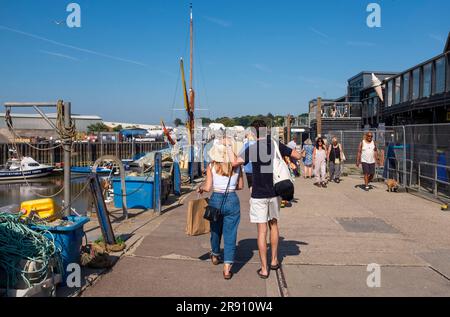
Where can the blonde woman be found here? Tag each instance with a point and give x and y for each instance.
(220, 176)
(307, 154)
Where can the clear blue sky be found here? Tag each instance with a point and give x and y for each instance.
(252, 56)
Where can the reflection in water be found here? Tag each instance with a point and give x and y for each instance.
(16, 193)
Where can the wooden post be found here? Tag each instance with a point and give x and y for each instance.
(288, 127)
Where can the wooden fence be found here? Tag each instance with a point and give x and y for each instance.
(83, 154)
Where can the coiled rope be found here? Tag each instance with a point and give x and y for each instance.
(18, 244)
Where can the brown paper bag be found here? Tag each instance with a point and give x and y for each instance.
(197, 225)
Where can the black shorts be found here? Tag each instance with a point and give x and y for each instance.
(249, 179)
(368, 169)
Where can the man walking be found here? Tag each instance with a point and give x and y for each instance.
(368, 156)
(264, 203)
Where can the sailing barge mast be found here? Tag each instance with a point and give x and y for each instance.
(189, 96)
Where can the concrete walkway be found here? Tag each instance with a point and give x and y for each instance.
(329, 236)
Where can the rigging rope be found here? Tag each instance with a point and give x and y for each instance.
(66, 135)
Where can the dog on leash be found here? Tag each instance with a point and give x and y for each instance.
(392, 185)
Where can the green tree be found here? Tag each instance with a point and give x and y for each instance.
(118, 128)
(177, 122)
(98, 127)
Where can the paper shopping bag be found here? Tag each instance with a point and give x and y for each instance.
(197, 225)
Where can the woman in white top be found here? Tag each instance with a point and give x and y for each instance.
(218, 175)
(368, 156)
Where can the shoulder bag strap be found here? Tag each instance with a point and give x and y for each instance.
(226, 191)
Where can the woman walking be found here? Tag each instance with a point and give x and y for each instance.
(223, 180)
(320, 163)
(307, 153)
(335, 158)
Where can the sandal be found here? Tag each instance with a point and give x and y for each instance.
(228, 276)
(275, 267)
(264, 277)
(215, 259)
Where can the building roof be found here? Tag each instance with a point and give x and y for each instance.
(51, 116)
(132, 125)
(372, 72)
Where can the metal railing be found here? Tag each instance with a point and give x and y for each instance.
(403, 175)
(436, 181)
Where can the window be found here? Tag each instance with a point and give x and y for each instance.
(406, 81)
(427, 80)
(397, 90)
(440, 75)
(416, 84)
(389, 93)
(448, 72)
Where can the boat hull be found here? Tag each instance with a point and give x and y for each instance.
(88, 170)
(20, 175)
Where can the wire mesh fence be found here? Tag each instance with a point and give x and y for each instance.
(417, 156)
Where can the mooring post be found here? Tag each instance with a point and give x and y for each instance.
(157, 183)
(67, 143)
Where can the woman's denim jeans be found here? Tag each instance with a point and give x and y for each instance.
(227, 225)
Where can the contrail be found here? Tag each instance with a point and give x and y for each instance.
(80, 49)
(59, 55)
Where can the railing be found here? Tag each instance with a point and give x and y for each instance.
(402, 175)
(337, 110)
(436, 181)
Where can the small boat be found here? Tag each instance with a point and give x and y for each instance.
(88, 170)
(24, 168)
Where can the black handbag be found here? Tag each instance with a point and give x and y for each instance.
(213, 214)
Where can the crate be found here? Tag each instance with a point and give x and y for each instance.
(139, 191)
(67, 239)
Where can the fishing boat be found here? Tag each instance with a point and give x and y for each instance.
(23, 168)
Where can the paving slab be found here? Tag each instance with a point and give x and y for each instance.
(345, 281)
(138, 277)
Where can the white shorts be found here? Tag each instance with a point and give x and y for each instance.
(264, 210)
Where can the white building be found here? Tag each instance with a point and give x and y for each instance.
(36, 122)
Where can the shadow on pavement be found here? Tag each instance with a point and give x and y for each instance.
(246, 251)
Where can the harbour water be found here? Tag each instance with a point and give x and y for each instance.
(16, 193)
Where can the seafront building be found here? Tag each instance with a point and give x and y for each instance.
(418, 95)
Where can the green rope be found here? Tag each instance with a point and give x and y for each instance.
(18, 243)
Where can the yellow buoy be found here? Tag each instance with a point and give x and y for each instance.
(43, 208)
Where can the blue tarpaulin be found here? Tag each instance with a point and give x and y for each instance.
(391, 159)
(441, 171)
(133, 133)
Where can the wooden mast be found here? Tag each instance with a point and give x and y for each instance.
(191, 79)
(191, 101)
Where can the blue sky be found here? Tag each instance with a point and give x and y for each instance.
(252, 56)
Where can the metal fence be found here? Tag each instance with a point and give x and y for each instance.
(417, 156)
(83, 154)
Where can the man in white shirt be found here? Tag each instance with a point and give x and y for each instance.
(368, 157)
(293, 143)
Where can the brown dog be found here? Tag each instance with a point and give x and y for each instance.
(392, 185)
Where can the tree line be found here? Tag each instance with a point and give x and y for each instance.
(245, 121)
